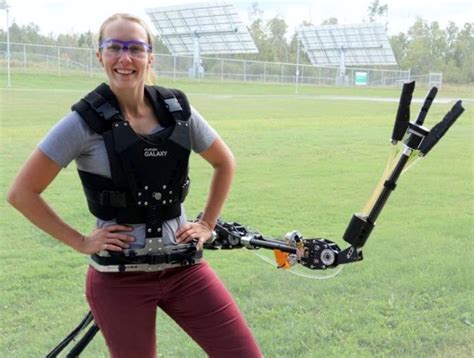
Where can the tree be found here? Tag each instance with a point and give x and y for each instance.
(418, 56)
(329, 21)
(86, 40)
(277, 28)
(459, 67)
(451, 33)
(376, 10)
(257, 31)
(399, 44)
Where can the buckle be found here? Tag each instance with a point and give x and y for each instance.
(173, 105)
(113, 198)
(101, 106)
(106, 110)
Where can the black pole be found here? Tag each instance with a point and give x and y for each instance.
(360, 226)
(389, 186)
(272, 245)
(82, 344)
(84, 323)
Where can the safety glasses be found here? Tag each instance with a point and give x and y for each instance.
(114, 48)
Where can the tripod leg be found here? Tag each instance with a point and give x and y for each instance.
(84, 323)
(82, 344)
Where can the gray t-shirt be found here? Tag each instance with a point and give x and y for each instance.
(71, 139)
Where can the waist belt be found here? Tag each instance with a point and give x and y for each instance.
(118, 262)
(150, 259)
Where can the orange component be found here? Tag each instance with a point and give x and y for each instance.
(281, 259)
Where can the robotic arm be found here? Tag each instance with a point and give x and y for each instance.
(321, 254)
(317, 253)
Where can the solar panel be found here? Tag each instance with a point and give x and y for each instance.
(216, 25)
(358, 44)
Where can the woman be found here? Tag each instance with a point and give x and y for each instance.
(124, 303)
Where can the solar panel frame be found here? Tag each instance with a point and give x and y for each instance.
(364, 44)
(217, 24)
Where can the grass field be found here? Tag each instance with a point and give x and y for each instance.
(305, 162)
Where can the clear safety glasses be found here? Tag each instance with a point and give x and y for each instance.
(114, 48)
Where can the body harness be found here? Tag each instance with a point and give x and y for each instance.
(149, 176)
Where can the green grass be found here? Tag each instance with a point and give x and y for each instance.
(304, 163)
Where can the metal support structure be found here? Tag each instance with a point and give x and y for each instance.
(194, 71)
(341, 73)
(197, 69)
(365, 44)
(297, 74)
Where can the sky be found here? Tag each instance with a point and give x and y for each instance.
(68, 16)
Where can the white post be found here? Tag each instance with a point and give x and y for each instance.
(24, 58)
(297, 67)
(6, 7)
(9, 83)
(222, 70)
(341, 76)
(196, 55)
(59, 61)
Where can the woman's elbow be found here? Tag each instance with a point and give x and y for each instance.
(232, 163)
(16, 197)
(13, 196)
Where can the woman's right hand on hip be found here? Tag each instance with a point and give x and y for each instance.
(112, 238)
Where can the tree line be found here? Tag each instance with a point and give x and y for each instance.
(424, 48)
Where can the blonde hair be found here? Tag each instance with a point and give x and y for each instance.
(150, 76)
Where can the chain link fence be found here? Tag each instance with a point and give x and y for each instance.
(30, 58)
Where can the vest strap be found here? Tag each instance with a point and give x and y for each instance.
(101, 105)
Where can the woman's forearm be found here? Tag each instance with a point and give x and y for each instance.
(25, 195)
(219, 189)
(36, 210)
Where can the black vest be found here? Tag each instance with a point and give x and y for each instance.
(149, 174)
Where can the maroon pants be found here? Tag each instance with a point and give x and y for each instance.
(124, 307)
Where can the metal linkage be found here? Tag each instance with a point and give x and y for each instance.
(313, 253)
